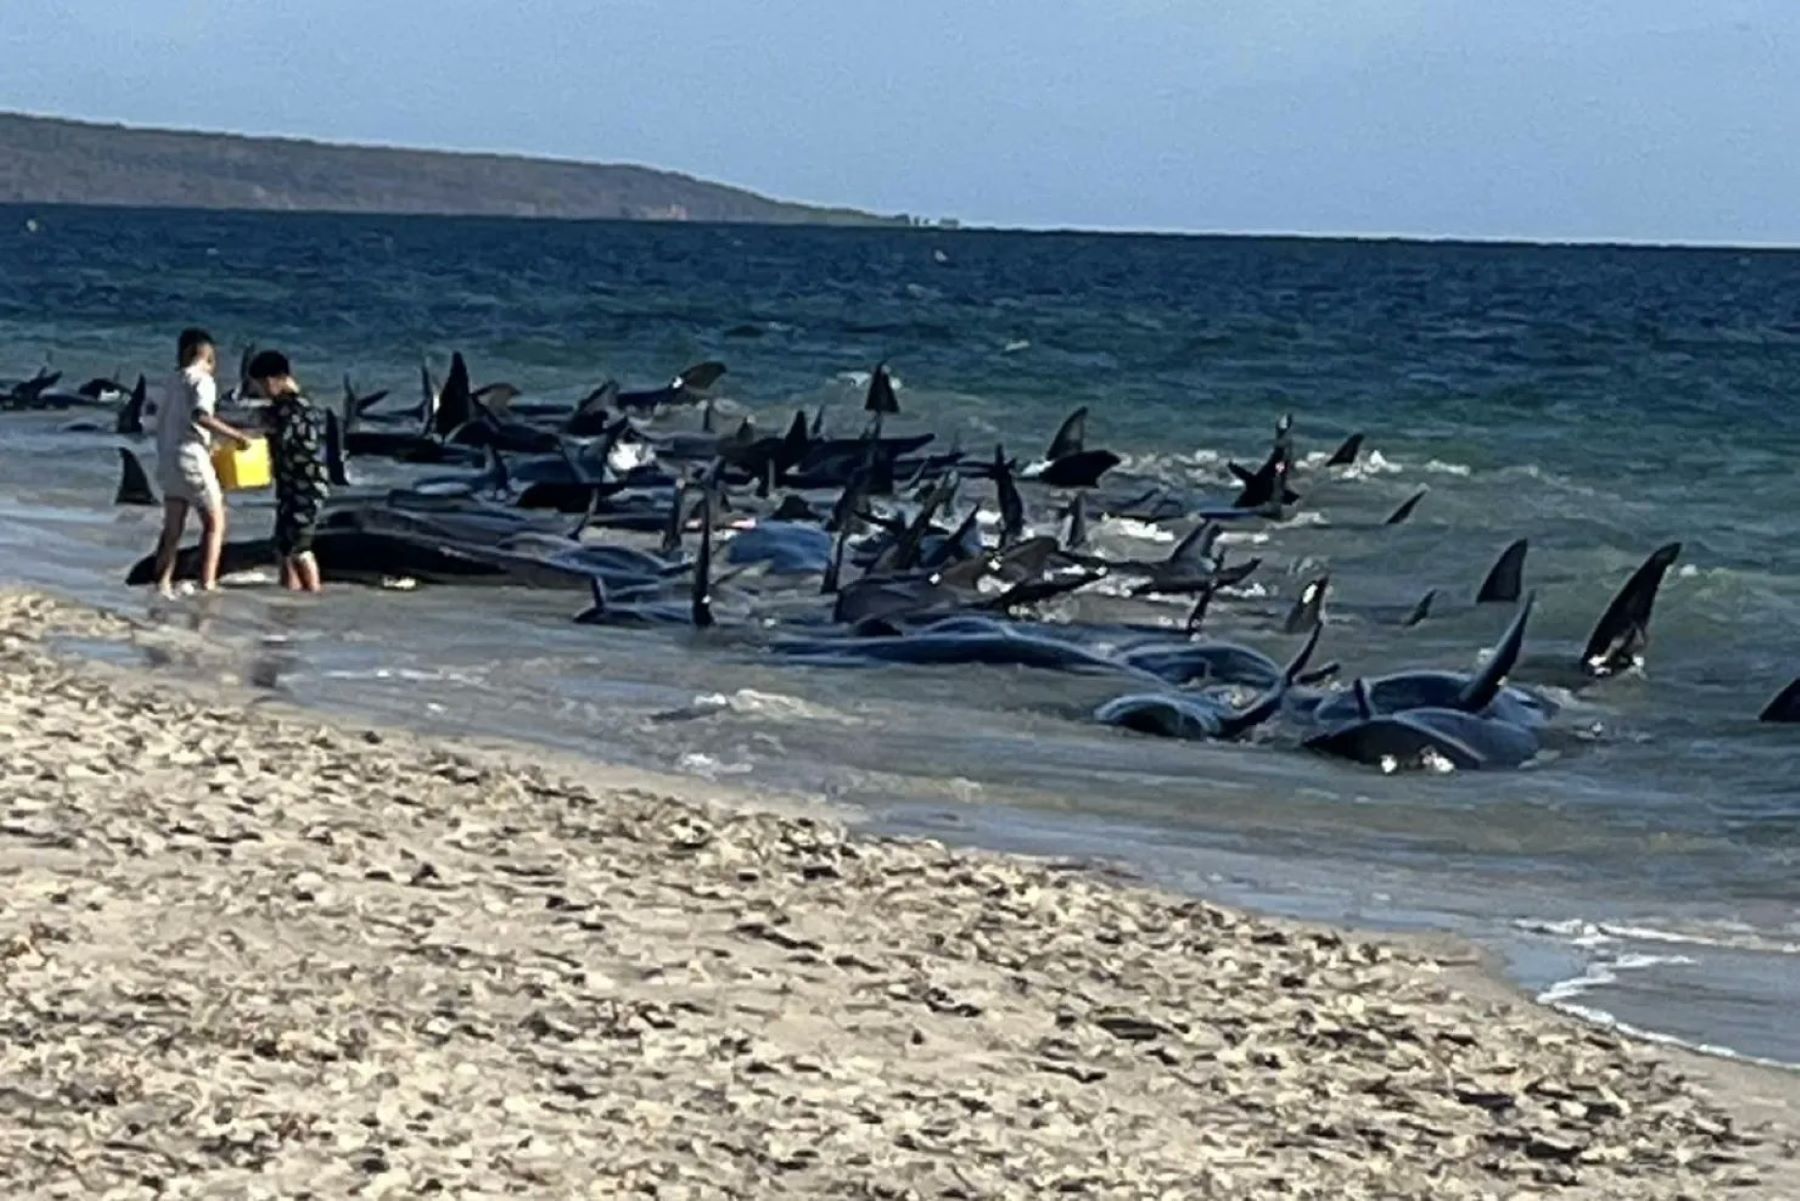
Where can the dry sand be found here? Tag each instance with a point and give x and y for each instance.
(244, 952)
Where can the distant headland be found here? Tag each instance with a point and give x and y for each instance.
(49, 160)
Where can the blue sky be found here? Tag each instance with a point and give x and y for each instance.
(1643, 120)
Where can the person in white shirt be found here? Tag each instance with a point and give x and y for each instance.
(186, 423)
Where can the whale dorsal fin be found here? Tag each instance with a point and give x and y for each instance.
(1506, 580)
(1406, 508)
(1265, 706)
(1346, 454)
(1071, 436)
(1197, 546)
(702, 598)
(1485, 684)
(1012, 505)
(880, 399)
(1422, 610)
(1309, 606)
(335, 470)
(1078, 526)
(131, 414)
(134, 485)
(1618, 641)
(1785, 708)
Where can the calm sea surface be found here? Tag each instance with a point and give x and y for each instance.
(1598, 401)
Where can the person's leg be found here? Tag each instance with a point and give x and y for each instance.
(169, 544)
(306, 566)
(287, 542)
(212, 544)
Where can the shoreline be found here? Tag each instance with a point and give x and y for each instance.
(293, 950)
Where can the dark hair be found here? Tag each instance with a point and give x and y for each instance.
(268, 364)
(189, 345)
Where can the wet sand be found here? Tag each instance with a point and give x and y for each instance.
(248, 952)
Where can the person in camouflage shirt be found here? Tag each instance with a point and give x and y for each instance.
(296, 441)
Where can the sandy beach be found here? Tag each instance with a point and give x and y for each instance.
(245, 951)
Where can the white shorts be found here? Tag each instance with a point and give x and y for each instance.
(191, 478)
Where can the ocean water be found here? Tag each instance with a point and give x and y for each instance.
(1599, 401)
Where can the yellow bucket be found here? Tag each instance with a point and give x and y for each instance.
(242, 469)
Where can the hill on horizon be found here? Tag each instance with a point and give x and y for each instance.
(52, 160)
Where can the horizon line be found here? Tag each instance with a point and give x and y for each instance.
(946, 225)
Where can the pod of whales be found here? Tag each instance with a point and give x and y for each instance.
(880, 548)
(1431, 719)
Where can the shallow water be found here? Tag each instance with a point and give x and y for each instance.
(1598, 401)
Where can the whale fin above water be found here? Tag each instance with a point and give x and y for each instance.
(428, 400)
(1080, 470)
(1785, 708)
(499, 480)
(131, 414)
(1406, 508)
(1071, 436)
(596, 611)
(963, 543)
(1309, 606)
(1422, 610)
(702, 592)
(1506, 580)
(701, 376)
(671, 537)
(795, 441)
(1012, 505)
(1196, 617)
(356, 406)
(349, 410)
(903, 555)
(591, 511)
(498, 397)
(1267, 487)
(456, 404)
(1077, 536)
(1485, 684)
(1264, 707)
(134, 485)
(1346, 455)
(102, 386)
(1196, 547)
(880, 399)
(334, 451)
(1623, 632)
(592, 413)
(1206, 715)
